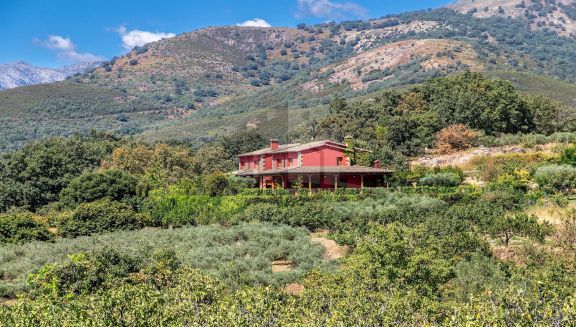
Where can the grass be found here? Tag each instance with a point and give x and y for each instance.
(239, 255)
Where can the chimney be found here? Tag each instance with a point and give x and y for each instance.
(377, 164)
(274, 144)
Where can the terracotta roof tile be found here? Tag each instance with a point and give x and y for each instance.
(283, 148)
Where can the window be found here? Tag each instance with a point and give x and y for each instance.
(339, 161)
(290, 162)
(279, 163)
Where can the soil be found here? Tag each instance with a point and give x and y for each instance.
(333, 250)
(281, 265)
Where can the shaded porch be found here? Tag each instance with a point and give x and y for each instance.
(321, 181)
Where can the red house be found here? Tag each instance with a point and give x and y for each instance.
(315, 165)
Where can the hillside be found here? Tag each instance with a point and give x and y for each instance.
(212, 81)
(558, 16)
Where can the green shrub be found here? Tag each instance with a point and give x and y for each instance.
(22, 227)
(441, 179)
(556, 177)
(215, 184)
(310, 215)
(568, 155)
(114, 185)
(82, 273)
(98, 217)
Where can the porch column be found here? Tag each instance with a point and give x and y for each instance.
(260, 182)
(361, 183)
(284, 181)
(310, 183)
(335, 182)
(273, 184)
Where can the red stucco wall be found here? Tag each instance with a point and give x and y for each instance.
(323, 156)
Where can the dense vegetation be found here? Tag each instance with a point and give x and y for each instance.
(404, 123)
(106, 231)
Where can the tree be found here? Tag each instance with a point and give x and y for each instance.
(160, 164)
(35, 176)
(212, 159)
(215, 184)
(115, 185)
(508, 226)
(455, 137)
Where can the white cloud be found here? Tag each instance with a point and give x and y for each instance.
(256, 22)
(66, 49)
(60, 43)
(137, 38)
(327, 9)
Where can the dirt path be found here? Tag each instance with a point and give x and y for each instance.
(333, 250)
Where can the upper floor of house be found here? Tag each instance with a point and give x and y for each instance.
(279, 156)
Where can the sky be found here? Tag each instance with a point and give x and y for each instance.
(53, 33)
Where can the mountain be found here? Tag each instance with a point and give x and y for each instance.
(555, 15)
(79, 68)
(21, 73)
(213, 81)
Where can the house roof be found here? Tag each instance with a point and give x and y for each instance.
(304, 170)
(296, 147)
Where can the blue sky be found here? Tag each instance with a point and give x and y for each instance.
(57, 32)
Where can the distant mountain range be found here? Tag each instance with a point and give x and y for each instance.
(212, 81)
(22, 74)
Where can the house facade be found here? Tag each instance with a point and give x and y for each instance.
(315, 165)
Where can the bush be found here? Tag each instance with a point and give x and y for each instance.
(82, 273)
(441, 179)
(215, 184)
(114, 185)
(310, 215)
(568, 155)
(556, 177)
(455, 137)
(98, 217)
(22, 227)
(237, 185)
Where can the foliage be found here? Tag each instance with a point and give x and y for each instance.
(238, 255)
(568, 155)
(508, 226)
(215, 184)
(441, 179)
(409, 121)
(556, 177)
(159, 164)
(454, 138)
(98, 217)
(34, 176)
(82, 273)
(114, 185)
(22, 227)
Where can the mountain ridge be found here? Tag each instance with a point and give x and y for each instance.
(22, 74)
(200, 84)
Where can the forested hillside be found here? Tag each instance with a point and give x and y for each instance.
(279, 78)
